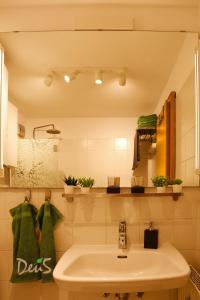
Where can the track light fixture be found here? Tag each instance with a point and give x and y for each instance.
(49, 79)
(70, 74)
(122, 78)
(98, 77)
(69, 77)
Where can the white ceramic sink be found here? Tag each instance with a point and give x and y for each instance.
(105, 268)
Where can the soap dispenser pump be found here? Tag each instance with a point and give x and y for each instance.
(151, 237)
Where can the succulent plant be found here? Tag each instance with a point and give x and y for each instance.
(159, 181)
(86, 181)
(70, 180)
(178, 181)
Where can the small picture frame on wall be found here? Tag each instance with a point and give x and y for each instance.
(21, 131)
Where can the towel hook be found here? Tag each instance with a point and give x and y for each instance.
(27, 196)
(48, 195)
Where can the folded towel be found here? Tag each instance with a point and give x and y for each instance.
(147, 121)
(25, 246)
(48, 217)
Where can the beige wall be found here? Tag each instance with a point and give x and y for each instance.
(96, 221)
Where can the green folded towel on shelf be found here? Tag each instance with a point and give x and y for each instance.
(25, 246)
(147, 121)
(48, 217)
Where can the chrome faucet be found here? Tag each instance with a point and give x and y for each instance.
(122, 235)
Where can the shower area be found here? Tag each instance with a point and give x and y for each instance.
(37, 163)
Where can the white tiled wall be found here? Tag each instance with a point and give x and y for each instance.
(92, 146)
(96, 221)
(185, 130)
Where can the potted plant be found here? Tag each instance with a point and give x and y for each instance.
(160, 183)
(86, 183)
(177, 185)
(69, 184)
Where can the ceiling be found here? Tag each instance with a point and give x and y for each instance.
(148, 57)
(83, 2)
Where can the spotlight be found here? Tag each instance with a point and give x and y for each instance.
(98, 77)
(48, 79)
(69, 77)
(122, 78)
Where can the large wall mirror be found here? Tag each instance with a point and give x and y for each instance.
(91, 88)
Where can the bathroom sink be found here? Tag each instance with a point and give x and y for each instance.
(105, 268)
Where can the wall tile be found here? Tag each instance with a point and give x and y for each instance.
(186, 206)
(89, 210)
(190, 256)
(190, 147)
(96, 221)
(184, 234)
(31, 291)
(4, 290)
(13, 198)
(156, 208)
(49, 291)
(118, 209)
(85, 234)
(4, 263)
(63, 236)
(198, 234)
(3, 206)
(190, 172)
(6, 235)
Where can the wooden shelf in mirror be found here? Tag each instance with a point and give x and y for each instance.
(70, 197)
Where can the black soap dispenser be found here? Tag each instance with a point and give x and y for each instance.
(151, 237)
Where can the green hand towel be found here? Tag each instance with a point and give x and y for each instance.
(25, 246)
(147, 121)
(48, 217)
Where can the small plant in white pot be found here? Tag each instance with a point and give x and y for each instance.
(86, 183)
(177, 185)
(160, 183)
(69, 184)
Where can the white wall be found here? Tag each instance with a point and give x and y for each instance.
(91, 146)
(95, 221)
(181, 80)
(145, 17)
(11, 137)
(181, 70)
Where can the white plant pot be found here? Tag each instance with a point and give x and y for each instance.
(69, 189)
(177, 188)
(85, 190)
(161, 189)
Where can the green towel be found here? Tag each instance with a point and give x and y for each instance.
(48, 217)
(147, 121)
(25, 246)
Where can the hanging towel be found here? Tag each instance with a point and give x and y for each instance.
(136, 153)
(147, 121)
(48, 217)
(25, 246)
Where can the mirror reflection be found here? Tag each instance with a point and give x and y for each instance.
(99, 104)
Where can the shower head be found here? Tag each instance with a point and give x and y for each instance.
(51, 130)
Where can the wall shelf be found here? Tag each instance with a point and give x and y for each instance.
(70, 197)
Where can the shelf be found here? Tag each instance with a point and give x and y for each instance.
(145, 131)
(70, 197)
